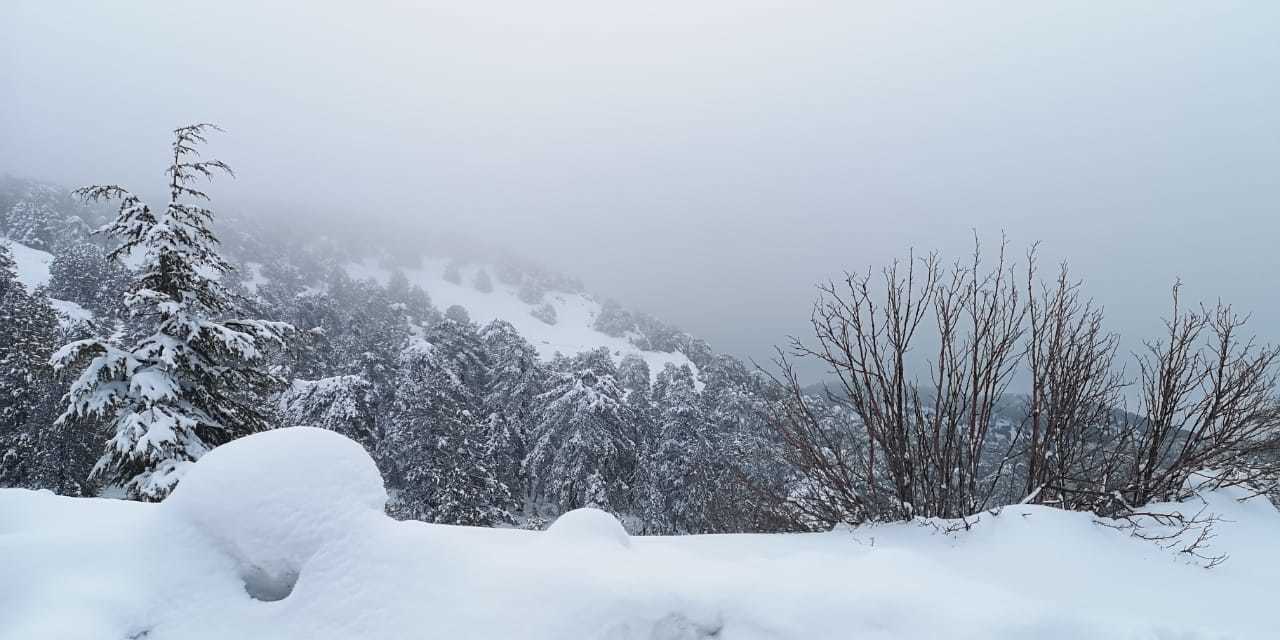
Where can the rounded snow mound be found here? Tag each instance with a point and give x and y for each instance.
(272, 499)
(588, 526)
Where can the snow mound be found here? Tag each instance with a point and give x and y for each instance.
(588, 526)
(294, 515)
(272, 500)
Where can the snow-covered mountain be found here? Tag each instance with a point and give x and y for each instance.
(568, 329)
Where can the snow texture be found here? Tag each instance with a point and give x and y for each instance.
(571, 332)
(70, 313)
(32, 264)
(588, 526)
(226, 493)
(281, 536)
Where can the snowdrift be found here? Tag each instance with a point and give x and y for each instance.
(282, 535)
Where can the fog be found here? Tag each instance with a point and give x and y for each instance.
(705, 162)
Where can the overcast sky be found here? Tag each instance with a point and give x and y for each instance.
(707, 162)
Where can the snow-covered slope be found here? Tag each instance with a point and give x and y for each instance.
(572, 332)
(32, 267)
(294, 517)
(32, 264)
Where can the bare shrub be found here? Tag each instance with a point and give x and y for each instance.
(921, 445)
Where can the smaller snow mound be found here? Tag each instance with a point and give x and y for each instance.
(588, 526)
(273, 499)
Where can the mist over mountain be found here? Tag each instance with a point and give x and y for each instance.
(673, 320)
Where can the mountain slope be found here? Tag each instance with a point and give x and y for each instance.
(575, 315)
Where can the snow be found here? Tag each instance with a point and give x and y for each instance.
(33, 272)
(228, 490)
(32, 264)
(281, 535)
(253, 277)
(70, 313)
(575, 314)
(588, 526)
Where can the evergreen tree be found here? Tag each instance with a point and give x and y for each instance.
(584, 444)
(673, 492)
(82, 274)
(191, 383)
(345, 404)
(28, 329)
(544, 312)
(33, 223)
(741, 458)
(373, 333)
(437, 466)
(516, 377)
(613, 320)
(34, 452)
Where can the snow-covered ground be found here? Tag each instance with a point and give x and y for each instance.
(294, 517)
(32, 264)
(572, 333)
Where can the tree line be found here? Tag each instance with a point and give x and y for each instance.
(159, 357)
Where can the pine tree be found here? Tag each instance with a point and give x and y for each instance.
(584, 441)
(34, 452)
(376, 330)
(345, 404)
(33, 223)
(28, 329)
(82, 274)
(431, 450)
(516, 377)
(190, 384)
(673, 491)
(613, 320)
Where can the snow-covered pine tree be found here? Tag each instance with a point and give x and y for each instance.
(8, 271)
(28, 329)
(416, 302)
(376, 330)
(672, 491)
(82, 274)
(35, 453)
(33, 222)
(613, 320)
(743, 461)
(345, 404)
(438, 467)
(584, 441)
(544, 312)
(192, 383)
(516, 377)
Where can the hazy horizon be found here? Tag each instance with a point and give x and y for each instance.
(707, 163)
